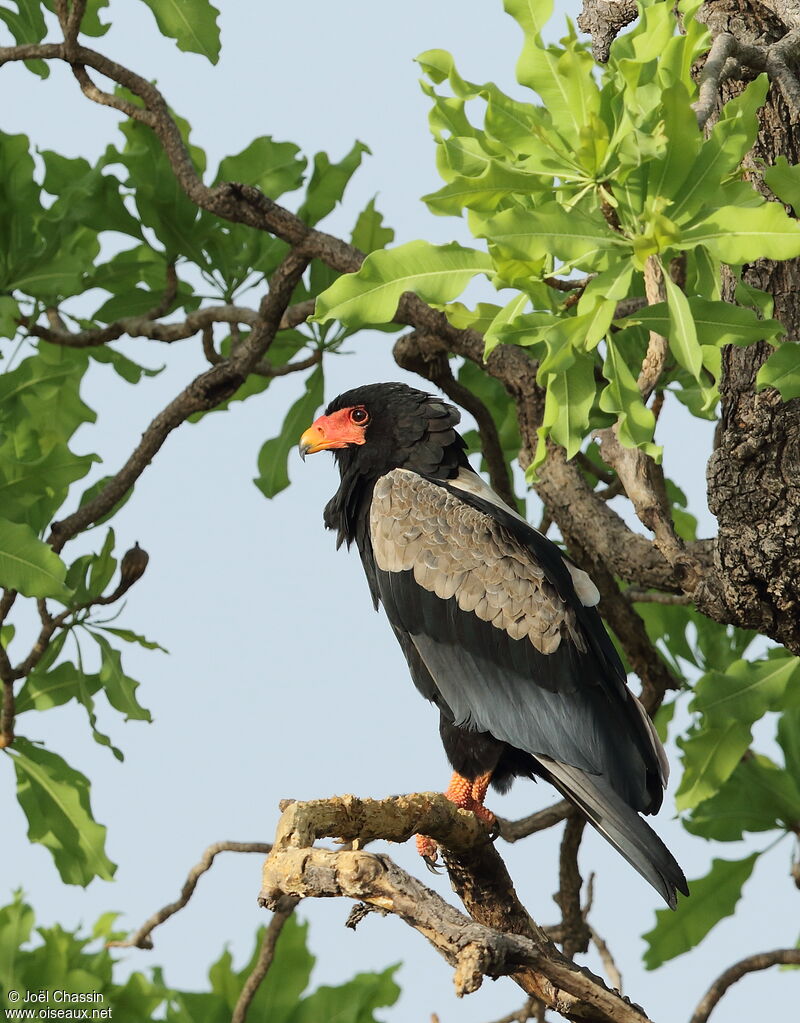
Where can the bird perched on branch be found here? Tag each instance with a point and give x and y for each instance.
(500, 629)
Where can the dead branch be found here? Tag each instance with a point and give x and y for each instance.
(141, 938)
(760, 961)
(477, 947)
(283, 911)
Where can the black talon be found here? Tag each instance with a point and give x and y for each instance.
(432, 865)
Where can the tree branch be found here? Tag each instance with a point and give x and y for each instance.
(513, 831)
(428, 358)
(204, 392)
(283, 911)
(575, 930)
(147, 326)
(760, 961)
(141, 938)
(475, 948)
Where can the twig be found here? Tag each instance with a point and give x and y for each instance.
(204, 392)
(141, 937)
(9, 713)
(528, 1011)
(760, 961)
(639, 596)
(513, 831)
(283, 911)
(609, 965)
(574, 284)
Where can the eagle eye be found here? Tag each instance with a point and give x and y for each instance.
(359, 416)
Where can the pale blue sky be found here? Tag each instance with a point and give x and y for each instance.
(281, 681)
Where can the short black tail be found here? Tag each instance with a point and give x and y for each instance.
(622, 827)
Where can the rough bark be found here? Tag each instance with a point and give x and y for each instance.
(753, 472)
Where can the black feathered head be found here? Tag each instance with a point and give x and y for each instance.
(379, 427)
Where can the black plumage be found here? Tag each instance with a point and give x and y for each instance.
(498, 627)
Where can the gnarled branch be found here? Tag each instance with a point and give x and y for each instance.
(501, 939)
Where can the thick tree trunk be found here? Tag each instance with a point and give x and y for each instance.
(754, 472)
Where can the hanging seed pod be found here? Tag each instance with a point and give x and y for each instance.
(133, 565)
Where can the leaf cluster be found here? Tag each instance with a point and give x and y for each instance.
(56, 959)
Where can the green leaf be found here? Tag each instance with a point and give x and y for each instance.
(563, 78)
(129, 636)
(191, 23)
(437, 273)
(784, 180)
(120, 690)
(709, 759)
(129, 370)
(623, 399)
(782, 371)
(273, 475)
(328, 182)
(682, 335)
(45, 689)
(737, 234)
(85, 195)
(758, 796)
(713, 897)
(34, 486)
(352, 1002)
(731, 139)
(716, 323)
(274, 167)
(9, 315)
(369, 233)
(549, 230)
(55, 799)
(789, 739)
(746, 691)
(569, 401)
(29, 565)
(16, 925)
(495, 332)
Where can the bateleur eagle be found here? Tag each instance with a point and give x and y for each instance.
(499, 627)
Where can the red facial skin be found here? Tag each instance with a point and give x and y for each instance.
(335, 431)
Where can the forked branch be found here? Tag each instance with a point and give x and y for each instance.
(499, 940)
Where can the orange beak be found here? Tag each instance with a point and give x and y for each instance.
(314, 440)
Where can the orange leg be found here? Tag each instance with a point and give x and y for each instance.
(468, 795)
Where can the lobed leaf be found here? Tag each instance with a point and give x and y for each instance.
(55, 799)
(29, 565)
(191, 23)
(713, 897)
